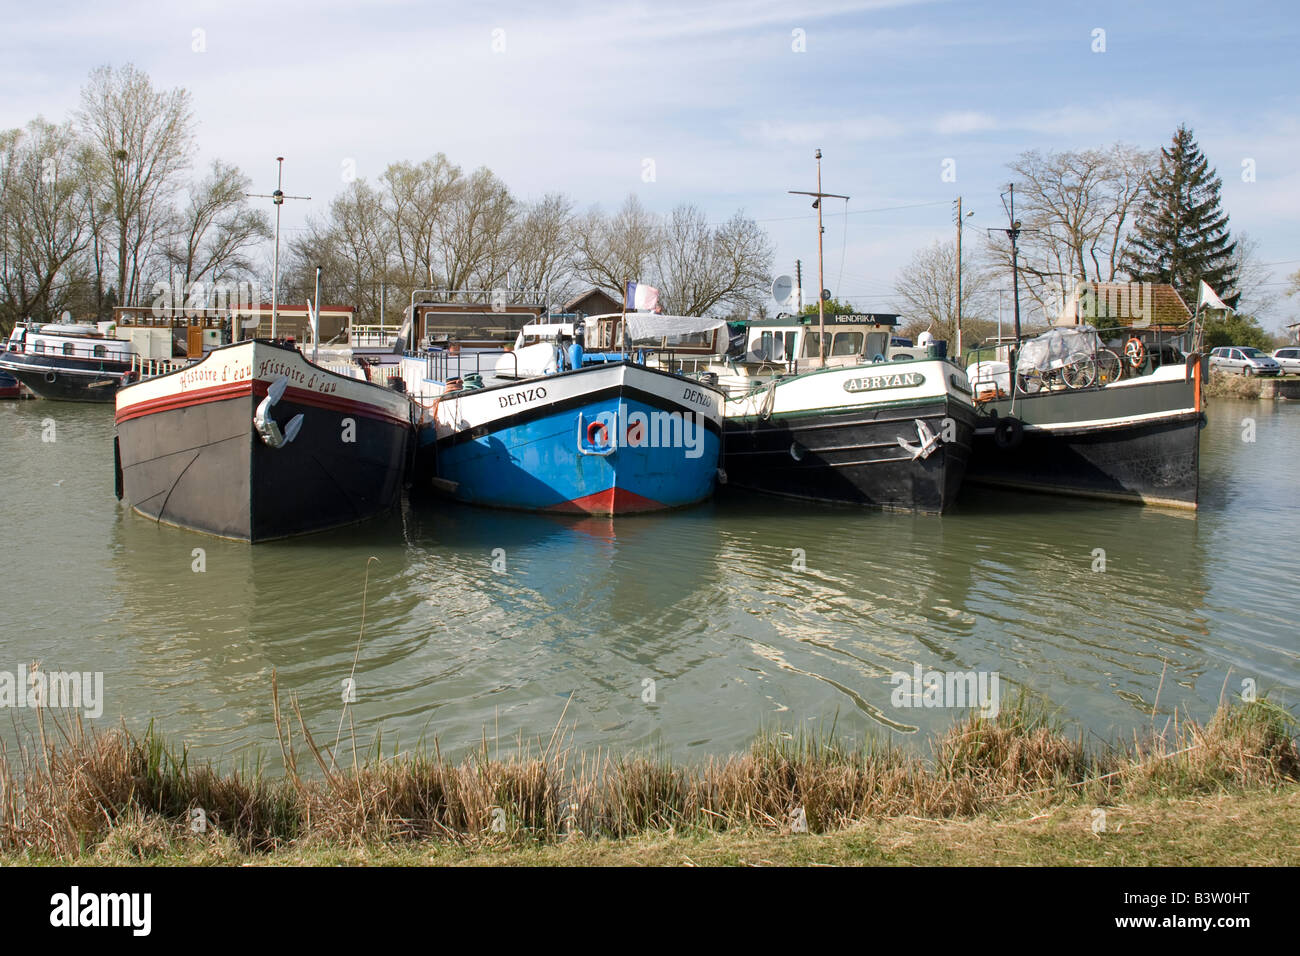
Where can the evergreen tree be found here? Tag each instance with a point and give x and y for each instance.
(1181, 232)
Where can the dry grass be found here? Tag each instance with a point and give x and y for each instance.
(1232, 385)
(89, 795)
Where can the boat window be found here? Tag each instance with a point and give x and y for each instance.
(100, 351)
(68, 348)
(38, 346)
(775, 346)
(847, 343)
(810, 344)
(877, 343)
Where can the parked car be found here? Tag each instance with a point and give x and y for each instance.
(1288, 360)
(1243, 360)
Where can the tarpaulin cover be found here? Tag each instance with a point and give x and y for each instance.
(1058, 347)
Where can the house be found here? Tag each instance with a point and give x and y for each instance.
(1154, 305)
(593, 302)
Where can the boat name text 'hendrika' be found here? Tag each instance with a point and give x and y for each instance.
(869, 383)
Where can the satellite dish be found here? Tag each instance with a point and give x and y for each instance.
(67, 318)
(782, 290)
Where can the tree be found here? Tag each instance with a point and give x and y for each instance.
(215, 233)
(613, 251)
(1077, 209)
(1181, 231)
(705, 269)
(141, 140)
(699, 269)
(927, 287)
(44, 220)
(831, 307)
(543, 246)
(1234, 329)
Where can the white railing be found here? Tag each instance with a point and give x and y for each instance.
(152, 368)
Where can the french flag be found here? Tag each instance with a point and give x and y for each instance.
(641, 297)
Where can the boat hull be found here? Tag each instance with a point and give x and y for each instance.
(1136, 440)
(66, 379)
(545, 444)
(189, 454)
(823, 442)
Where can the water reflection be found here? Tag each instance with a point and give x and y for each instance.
(745, 612)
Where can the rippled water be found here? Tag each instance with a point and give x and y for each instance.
(705, 602)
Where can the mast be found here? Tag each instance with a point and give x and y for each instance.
(278, 197)
(821, 275)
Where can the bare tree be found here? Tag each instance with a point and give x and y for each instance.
(699, 269)
(543, 244)
(142, 139)
(471, 234)
(215, 233)
(44, 220)
(1077, 209)
(927, 289)
(613, 251)
(704, 269)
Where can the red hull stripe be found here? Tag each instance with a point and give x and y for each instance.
(611, 501)
(220, 393)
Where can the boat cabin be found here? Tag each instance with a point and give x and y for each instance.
(849, 339)
(68, 340)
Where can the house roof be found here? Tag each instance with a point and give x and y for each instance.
(593, 291)
(1129, 303)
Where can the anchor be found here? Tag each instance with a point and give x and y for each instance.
(266, 426)
(928, 439)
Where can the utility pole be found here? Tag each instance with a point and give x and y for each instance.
(821, 275)
(798, 285)
(1013, 233)
(278, 197)
(957, 214)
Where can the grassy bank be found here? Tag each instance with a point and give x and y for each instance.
(1012, 789)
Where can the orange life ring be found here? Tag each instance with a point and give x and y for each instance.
(1135, 351)
(591, 433)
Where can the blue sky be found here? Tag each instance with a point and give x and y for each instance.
(577, 96)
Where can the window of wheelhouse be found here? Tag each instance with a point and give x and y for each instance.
(38, 346)
(810, 344)
(776, 346)
(68, 348)
(877, 344)
(100, 351)
(847, 343)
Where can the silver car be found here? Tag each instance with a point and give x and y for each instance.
(1243, 360)
(1288, 360)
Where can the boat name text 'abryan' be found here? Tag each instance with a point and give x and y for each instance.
(870, 383)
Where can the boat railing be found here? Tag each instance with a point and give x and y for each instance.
(151, 368)
(443, 364)
(372, 335)
(1131, 351)
(98, 350)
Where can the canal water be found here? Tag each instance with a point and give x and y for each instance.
(682, 633)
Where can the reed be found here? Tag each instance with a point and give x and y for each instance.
(77, 793)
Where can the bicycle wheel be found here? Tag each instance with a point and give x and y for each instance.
(1028, 384)
(1080, 374)
(1109, 367)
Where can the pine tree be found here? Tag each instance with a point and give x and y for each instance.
(1181, 232)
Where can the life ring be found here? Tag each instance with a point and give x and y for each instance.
(1008, 432)
(592, 429)
(50, 377)
(1135, 351)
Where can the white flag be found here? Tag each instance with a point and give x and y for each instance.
(1207, 299)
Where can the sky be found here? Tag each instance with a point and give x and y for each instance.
(913, 103)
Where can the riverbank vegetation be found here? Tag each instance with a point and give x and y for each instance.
(116, 797)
